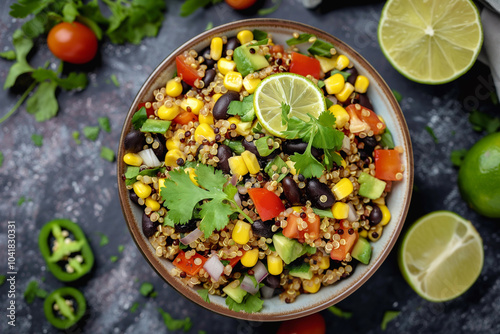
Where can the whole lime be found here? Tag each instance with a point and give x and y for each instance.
(479, 176)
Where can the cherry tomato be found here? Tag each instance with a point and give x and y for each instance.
(267, 203)
(305, 65)
(72, 42)
(387, 165)
(312, 324)
(186, 72)
(240, 4)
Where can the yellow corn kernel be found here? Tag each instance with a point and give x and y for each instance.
(237, 165)
(168, 113)
(245, 36)
(342, 62)
(192, 175)
(132, 159)
(244, 128)
(335, 84)
(324, 263)
(297, 209)
(361, 84)
(192, 103)
(291, 166)
(274, 264)
(342, 161)
(234, 120)
(204, 131)
(340, 210)
(250, 258)
(341, 115)
(251, 84)
(343, 188)
(233, 81)
(216, 48)
(225, 66)
(327, 64)
(386, 215)
(173, 88)
(172, 156)
(208, 119)
(251, 162)
(141, 190)
(241, 232)
(216, 96)
(345, 93)
(161, 183)
(363, 234)
(311, 285)
(152, 204)
(172, 143)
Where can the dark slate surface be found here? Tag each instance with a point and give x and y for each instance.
(62, 179)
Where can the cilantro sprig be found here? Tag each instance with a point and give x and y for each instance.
(215, 194)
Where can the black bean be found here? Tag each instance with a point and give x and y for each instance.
(297, 146)
(353, 74)
(272, 281)
(365, 101)
(224, 153)
(185, 87)
(291, 190)
(209, 77)
(220, 107)
(161, 150)
(232, 43)
(375, 215)
(134, 141)
(185, 228)
(364, 154)
(133, 197)
(148, 227)
(370, 142)
(319, 194)
(206, 54)
(263, 229)
(250, 146)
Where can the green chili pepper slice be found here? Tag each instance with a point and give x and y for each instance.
(69, 257)
(59, 312)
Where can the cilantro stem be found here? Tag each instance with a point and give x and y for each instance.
(19, 102)
(237, 207)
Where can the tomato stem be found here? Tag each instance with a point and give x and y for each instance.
(19, 102)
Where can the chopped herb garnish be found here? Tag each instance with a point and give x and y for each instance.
(321, 48)
(104, 124)
(175, 324)
(323, 213)
(321, 83)
(243, 108)
(431, 132)
(91, 132)
(33, 291)
(104, 240)
(204, 294)
(386, 139)
(259, 35)
(303, 38)
(257, 128)
(225, 262)
(121, 248)
(76, 137)
(457, 156)
(134, 307)
(1, 159)
(250, 304)
(3, 278)
(388, 317)
(114, 80)
(344, 74)
(139, 118)
(37, 139)
(397, 95)
(339, 313)
(146, 289)
(107, 154)
(267, 11)
(190, 6)
(209, 26)
(21, 200)
(113, 258)
(484, 122)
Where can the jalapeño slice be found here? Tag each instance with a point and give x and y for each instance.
(64, 307)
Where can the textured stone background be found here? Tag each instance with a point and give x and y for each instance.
(62, 179)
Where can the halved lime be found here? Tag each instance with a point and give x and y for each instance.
(301, 94)
(430, 41)
(441, 256)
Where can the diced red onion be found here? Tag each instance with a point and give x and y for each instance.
(346, 145)
(214, 267)
(234, 179)
(149, 158)
(248, 284)
(352, 216)
(237, 199)
(194, 235)
(332, 98)
(260, 271)
(267, 292)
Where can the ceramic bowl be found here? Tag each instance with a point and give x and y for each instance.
(398, 201)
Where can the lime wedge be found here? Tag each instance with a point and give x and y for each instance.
(431, 41)
(300, 93)
(441, 256)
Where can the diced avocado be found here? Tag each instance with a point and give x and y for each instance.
(237, 294)
(362, 251)
(301, 270)
(248, 59)
(370, 187)
(288, 249)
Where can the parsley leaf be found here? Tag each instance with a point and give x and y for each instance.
(457, 156)
(22, 46)
(204, 294)
(146, 289)
(250, 304)
(37, 139)
(481, 121)
(104, 123)
(32, 291)
(139, 118)
(339, 313)
(175, 324)
(107, 154)
(243, 108)
(43, 103)
(299, 40)
(91, 132)
(388, 317)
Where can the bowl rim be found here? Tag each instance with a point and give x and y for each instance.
(154, 261)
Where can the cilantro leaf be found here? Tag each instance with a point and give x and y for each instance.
(22, 46)
(332, 156)
(43, 103)
(483, 122)
(321, 48)
(457, 156)
(139, 118)
(388, 317)
(72, 81)
(299, 40)
(9, 55)
(243, 108)
(70, 12)
(37, 139)
(36, 26)
(215, 215)
(107, 154)
(146, 289)
(250, 304)
(104, 123)
(204, 294)
(26, 7)
(307, 165)
(340, 313)
(91, 132)
(32, 291)
(175, 324)
(326, 137)
(285, 110)
(343, 73)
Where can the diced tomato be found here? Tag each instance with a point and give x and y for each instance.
(188, 265)
(387, 165)
(185, 117)
(305, 65)
(363, 120)
(292, 231)
(275, 49)
(235, 260)
(340, 253)
(149, 111)
(312, 324)
(267, 203)
(186, 72)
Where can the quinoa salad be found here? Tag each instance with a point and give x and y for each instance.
(262, 171)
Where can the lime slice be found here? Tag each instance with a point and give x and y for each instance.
(441, 256)
(432, 41)
(300, 93)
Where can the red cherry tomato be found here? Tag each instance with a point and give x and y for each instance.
(240, 4)
(312, 324)
(305, 65)
(186, 72)
(267, 203)
(72, 42)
